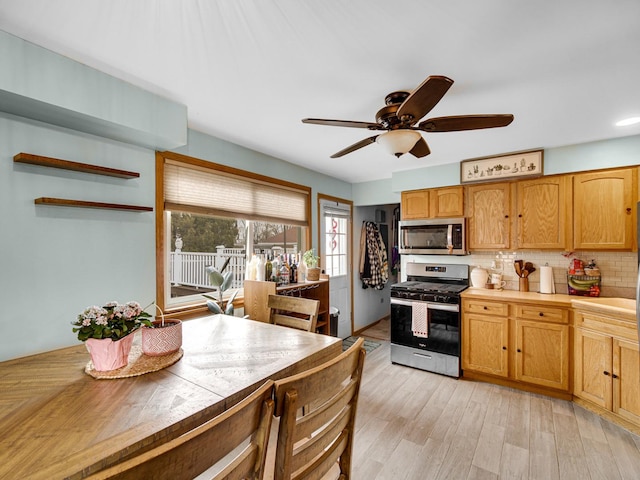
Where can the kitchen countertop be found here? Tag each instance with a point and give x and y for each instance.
(554, 299)
(623, 307)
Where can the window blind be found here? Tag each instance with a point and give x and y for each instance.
(189, 188)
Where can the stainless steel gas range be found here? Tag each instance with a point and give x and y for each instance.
(425, 317)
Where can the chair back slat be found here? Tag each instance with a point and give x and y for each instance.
(294, 312)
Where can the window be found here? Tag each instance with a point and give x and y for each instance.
(210, 214)
(336, 244)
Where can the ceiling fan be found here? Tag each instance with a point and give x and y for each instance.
(404, 110)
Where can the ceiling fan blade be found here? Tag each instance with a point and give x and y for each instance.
(343, 123)
(420, 149)
(465, 122)
(422, 100)
(355, 146)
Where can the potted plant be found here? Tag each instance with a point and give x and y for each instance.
(222, 283)
(107, 332)
(311, 261)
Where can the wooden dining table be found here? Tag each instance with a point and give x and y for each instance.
(56, 421)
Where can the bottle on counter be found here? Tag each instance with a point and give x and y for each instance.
(260, 268)
(284, 271)
(268, 269)
(302, 270)
(275, 277)
(293, 270)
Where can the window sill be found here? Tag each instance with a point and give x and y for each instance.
(188, 312)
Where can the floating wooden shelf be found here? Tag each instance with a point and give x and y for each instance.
(63, 202)
(75, 166)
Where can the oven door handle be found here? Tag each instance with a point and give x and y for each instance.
(443, 307)
(405, 303)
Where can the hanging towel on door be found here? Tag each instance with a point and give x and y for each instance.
(419, 319)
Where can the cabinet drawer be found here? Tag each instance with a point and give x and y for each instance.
(546, 314)
(486, 306)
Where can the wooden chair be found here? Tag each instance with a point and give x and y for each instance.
(189, 455)
(312, 444)
(295, 312)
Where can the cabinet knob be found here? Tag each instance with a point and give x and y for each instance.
(520, 216)
(541, 314)
(506, 216)
(614, 376)
(628, 211)
(485, 307)
(606, 373)
(504, 348)
(519, 351)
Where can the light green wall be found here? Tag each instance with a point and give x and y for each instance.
(55, 261)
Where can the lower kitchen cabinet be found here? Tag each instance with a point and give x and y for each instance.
(542, 354)
(607, 370)
(527, 345)
(484, 344)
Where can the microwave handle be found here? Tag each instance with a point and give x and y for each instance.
(450, 239)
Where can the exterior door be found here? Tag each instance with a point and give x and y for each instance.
(335, 256)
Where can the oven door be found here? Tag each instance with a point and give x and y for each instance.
(443, 321)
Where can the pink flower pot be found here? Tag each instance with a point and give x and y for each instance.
(107, 354)
(162, 340)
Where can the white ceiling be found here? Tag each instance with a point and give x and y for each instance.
(250, 70)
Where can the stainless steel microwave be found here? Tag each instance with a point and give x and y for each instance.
(438, 236)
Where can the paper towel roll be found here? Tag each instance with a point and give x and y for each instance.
(546, 280)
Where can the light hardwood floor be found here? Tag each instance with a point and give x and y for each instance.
(413, 424)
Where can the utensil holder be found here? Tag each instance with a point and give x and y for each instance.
(523, 284)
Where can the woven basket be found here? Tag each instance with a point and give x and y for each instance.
(164, 338)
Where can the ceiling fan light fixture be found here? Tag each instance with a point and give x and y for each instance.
(398, 142)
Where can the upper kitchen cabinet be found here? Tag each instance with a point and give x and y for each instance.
(414, 204)
(446, 202)
(543, 207)
(489, 207)
(604, 208)
(442, 202)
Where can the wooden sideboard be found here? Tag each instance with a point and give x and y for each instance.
(256, 294)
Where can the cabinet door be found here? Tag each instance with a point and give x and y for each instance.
(488, 216)
(414, 204)
(626, 380)
(541, 209)
(592, 354)
(484, 344)
(446, 202)
(604, 210)
(542, 354)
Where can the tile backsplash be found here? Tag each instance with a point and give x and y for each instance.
(619, 270)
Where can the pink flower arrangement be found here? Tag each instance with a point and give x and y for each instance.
(112, 321)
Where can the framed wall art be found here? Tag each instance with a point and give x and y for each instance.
(512, 165)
